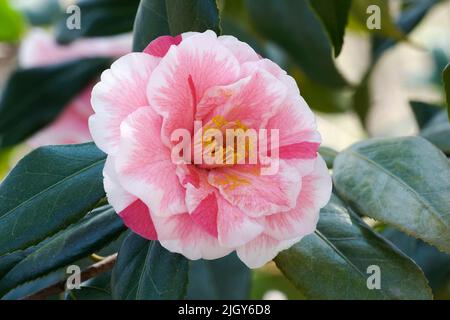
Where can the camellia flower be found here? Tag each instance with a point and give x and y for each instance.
(198, 210)
(39, 48)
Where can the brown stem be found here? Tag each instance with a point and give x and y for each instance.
(94, 270)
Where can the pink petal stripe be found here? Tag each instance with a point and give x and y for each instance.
(161, 45)
(205, 215)
(137, 217)
(301, 150)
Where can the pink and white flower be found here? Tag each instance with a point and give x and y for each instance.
(39, 48)
(207, 212)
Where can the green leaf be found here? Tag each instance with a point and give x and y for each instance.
(99, 18)
(98, 288)
(294, 27)
(146, 271)
(172, 17)
(388, 28)
(437, 131)
(5, 156)
(361, 100)
(446, 79)
(319, 97)
(12, 25)
(328, 155)
(40, 12)
(406, 23)
(404, 182)
(34, 97)
(334, 15)
(222, 279)
(435, 264)
(332, 263)
(79, 240)
(48, 190)
(423, 112)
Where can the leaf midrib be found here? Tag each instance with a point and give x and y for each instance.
(51, 187)
(416, 195)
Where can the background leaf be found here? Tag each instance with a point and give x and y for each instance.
(435, 264)
(404, 182)
(48, 190)
(293, 26)
(332, 262)
(28, 103)
(437, 131)
(423, 112)
(145, 271)
(172, 17)
(446, 79)
(222, 279)
(334, 15)
(79, 240)
(99, 18)
(12, 25)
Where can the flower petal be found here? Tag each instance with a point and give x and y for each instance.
(134, 213)
(39, 48)
(161, 45)
(256, 194)
(186, 72)
(251, 101)
(120, 92)
(144, 164)
(234, 227)
(261, 250)
(241, 50)
(180, 234)
(298, 222)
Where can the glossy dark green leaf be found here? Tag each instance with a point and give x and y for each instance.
(222, 279)
(172, 17)
(423, 112)
(48, 190)
(333, 262)
(293, 26)
(34, 97)
(79, 240)
(446, 79)
(434, 263)
(404, 182)
(334, 15)
(99, 18)
(98, 288)
(146, 271)
(437, 131)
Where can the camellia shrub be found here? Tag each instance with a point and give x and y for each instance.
(171, 149)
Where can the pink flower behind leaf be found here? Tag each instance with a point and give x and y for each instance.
(207, 211)
(40, 48)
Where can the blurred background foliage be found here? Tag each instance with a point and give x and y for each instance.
(360, 82)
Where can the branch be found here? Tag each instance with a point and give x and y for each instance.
(94, 270)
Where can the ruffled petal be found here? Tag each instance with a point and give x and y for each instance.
(298, 222)
(186, 72)
(263, 249)
(120, 92)
(144, 164)
(255, 194)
